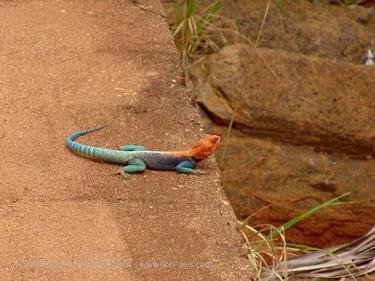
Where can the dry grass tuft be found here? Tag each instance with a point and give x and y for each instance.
(273, 258)
(344, 261)
(189, 28)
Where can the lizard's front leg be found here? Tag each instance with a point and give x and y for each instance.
(187, 167)
(135, 165)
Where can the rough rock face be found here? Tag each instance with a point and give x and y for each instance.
(319, 30)
(280, 100)
(289, 180)
(292, 98)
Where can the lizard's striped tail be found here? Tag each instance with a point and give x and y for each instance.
(93, 152)
(82, 149)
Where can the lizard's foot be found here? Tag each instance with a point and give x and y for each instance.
(134, 166)
(187, 167)
(122, 173)
(199, 172)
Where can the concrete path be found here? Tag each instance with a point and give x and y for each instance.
(67, 65)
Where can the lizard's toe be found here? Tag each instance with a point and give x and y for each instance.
(122, 173)
(200, 172)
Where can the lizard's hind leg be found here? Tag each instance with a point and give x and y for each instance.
(135, 165)
(132, 147)
(187, 167)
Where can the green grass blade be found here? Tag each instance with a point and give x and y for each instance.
(213, 10)
(191, 7)
(308, 213)
(206, 19)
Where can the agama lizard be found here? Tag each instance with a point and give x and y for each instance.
(136, 159)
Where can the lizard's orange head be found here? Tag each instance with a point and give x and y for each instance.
(205, 146)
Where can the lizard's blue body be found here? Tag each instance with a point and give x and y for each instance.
(135, 158)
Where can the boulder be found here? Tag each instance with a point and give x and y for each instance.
(291, 98)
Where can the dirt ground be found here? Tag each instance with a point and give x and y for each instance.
(68, 65)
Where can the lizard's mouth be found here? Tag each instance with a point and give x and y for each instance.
(215, 140)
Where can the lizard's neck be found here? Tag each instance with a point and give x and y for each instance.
(183, 153)
(202, 149)
(197, 153)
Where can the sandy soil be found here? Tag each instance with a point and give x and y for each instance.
(68, 65)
